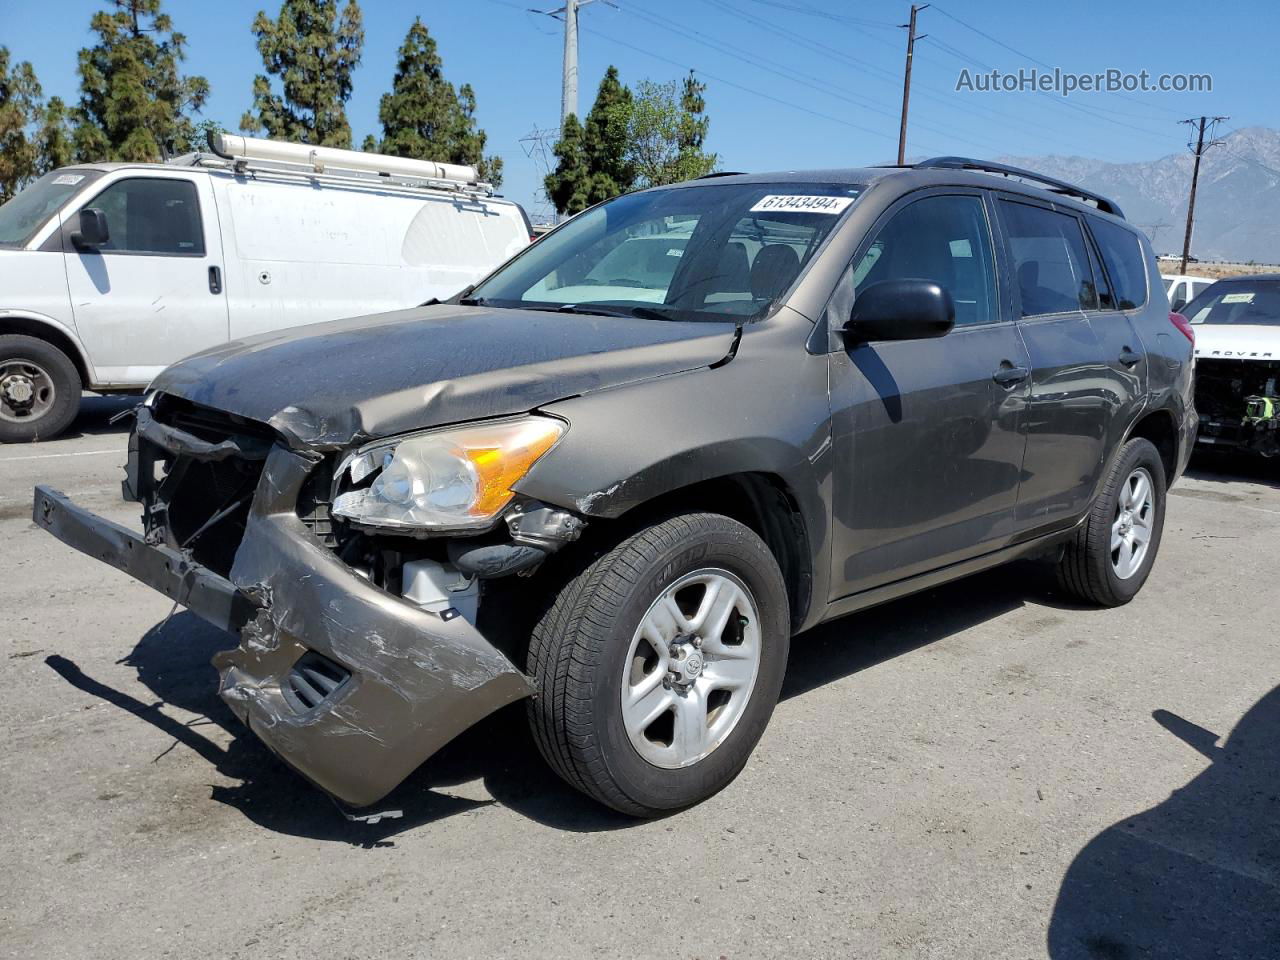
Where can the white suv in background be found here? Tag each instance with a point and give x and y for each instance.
(111, 272)
(1182, 289)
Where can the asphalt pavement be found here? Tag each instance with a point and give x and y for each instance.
(981, 771)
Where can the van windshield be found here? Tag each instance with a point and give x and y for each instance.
(704, 252)
(1241, 302)
(26, 213)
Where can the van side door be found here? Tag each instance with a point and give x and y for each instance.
(154, 292)
(927, 434)
(1077, 396)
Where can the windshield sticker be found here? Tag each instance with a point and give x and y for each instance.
(797, 203)
(675, 252)
(1238, 298)
(68, 179)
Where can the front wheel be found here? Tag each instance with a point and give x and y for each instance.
(1111, 555)
(39, 390)
(657, 668)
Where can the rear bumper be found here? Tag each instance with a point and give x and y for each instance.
(416, 679)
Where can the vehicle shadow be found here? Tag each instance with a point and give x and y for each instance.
(1222, 467)
(1197, 876)
(172, 661)
(98, 416)
(861, 641)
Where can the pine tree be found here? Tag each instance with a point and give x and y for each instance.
(425, 118)
(569, 184)
(593, 159)
(693, 119)
(605, 139)
(134, 102)
(313, 49)
(55, 145)
(19, 105)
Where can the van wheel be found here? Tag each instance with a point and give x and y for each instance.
(657, 667)
(39, 390)
(1111, 555)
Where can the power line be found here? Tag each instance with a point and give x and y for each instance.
(818, 84)
(1040, 63)
(739, 86)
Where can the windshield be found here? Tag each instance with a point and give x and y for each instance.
(1243, 303)
(26, 213)
(704, 252)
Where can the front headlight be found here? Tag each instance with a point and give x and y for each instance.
(455, 478)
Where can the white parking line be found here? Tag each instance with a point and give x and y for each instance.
(55, 456)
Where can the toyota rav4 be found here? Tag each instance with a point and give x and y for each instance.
(621, 473)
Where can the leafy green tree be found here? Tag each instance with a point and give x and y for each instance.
(425, 118)
(313, 48)
(605, 140)
(569, 184)
(666, 132)
(134, 101)
(19, 106)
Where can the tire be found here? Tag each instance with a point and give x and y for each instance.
(586, 653)
(1090, 569)
(39, 390)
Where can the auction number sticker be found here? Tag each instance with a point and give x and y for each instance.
(68, 179)
(800, 203)
(1238, 298)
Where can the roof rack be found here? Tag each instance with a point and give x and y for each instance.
(246, 155)
(1056, 186)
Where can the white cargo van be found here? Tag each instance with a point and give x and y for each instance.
(110, 272)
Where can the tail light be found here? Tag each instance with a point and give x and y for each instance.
(1183, 324)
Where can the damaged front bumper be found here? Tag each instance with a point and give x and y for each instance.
(349, 684)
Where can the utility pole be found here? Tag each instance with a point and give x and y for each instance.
(569, 78)
(906, 79)
(1200, 148)
(569, 83)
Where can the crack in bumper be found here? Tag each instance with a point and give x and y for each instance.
(417, 680)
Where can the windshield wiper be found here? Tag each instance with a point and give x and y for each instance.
(604, 310)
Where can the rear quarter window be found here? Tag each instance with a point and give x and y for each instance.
(1122, 254)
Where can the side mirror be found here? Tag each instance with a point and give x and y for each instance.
(901, 310)
(93, 230)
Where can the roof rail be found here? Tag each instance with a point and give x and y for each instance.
(245, 155)
(1056, 186)
(721, 173)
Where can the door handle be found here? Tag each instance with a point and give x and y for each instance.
(1129, 358)
(1007, 375)
(215, 280)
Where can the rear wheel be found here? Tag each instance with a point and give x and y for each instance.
(658, 667)
(1111, 555)
(39, 390)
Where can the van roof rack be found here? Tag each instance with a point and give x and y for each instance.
(334, 166)
(1056, 186)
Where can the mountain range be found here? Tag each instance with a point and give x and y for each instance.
(1237, 202)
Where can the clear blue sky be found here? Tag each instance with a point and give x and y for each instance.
(791, 83)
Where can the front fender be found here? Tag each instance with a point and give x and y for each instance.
(766, 411)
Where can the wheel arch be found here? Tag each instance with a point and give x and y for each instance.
(55, 334)
(760, 500)
(1160, 427)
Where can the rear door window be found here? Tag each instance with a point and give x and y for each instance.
(1050, 260)
(1122, 254)
(150, 215)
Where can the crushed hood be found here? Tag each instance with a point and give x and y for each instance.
(1230, 342)
(328, 385)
